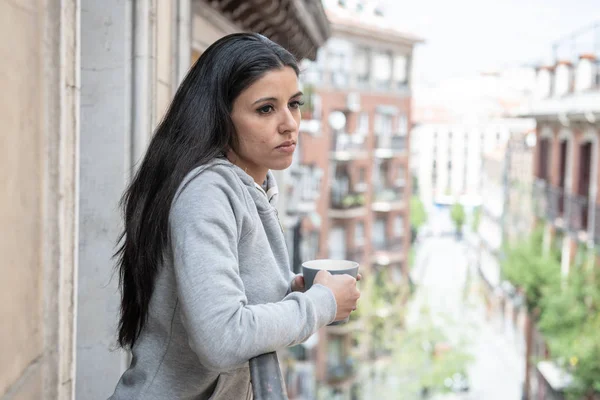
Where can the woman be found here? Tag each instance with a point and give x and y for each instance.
(205, 277)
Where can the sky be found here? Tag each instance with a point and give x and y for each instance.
(464, 37)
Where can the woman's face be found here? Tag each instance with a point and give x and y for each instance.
(266, 116)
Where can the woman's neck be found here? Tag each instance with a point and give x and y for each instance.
(258, 174)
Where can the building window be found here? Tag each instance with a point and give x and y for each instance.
(337, 66)
(402, 125)
(382, 69)
(398, 226)
(359, 233)
(361, 66)
(363, 123)
(400, 70)
(383, 124)
(379, 233)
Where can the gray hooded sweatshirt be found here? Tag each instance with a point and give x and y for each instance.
(222, 295)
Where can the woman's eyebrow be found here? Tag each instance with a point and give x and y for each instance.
(265, 99)
(297, 94)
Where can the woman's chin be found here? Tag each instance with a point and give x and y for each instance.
(280, 165)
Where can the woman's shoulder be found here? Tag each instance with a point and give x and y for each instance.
(216, 181)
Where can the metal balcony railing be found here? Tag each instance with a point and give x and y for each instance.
(540, 204)
(344, 142)
(597, 225)
(578, 213)
(266, 378)
(389, 194)
(556, 202)
(388, 245)
(395, 143)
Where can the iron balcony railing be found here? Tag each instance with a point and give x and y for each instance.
(578, 213)
(395, 143)
(597, 225)
(555, 201)
(391, 245)
(266, 378)
(540, 204)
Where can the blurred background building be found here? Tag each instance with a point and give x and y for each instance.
(565, 190)
(353, 198)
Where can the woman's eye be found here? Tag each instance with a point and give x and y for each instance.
(265, 109)
(296, 104)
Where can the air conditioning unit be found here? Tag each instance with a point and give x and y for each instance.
(353, 101)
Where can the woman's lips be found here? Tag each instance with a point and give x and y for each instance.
(287, 147)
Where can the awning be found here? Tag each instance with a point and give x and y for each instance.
(300, 26)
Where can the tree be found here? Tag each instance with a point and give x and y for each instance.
(528, 268)
(570, 322)
(418, 215)
(457, 213)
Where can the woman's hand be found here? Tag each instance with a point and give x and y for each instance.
(298, 284)
(344, 289)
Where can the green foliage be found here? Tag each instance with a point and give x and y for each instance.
(418, 215)
(380, 310)
(457, 213)
(527, 267)
(476, 219)
(569, 309)
(426, 356)
(411, 257)
(570, 322)
(353, 200)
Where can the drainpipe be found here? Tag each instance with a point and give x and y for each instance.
(143, 88)
(183, 46)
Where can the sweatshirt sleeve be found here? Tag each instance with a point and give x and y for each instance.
(223, 329)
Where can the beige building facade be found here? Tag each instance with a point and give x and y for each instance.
(84, 84)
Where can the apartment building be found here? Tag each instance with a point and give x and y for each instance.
(351, 186)
(85, 82)
(505, 213)
(565, 168)
(456, 123)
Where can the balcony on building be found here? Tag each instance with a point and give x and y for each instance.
(347, 147)
(579, 199)
(555, 198)
(304, 193)
(301, 371)
(341, 367)
(388, 251)
(390, 145)
(348, 200)
(548, 201)
(386, 199)
(578, 213)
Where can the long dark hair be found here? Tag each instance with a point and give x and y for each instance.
(196, 129)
